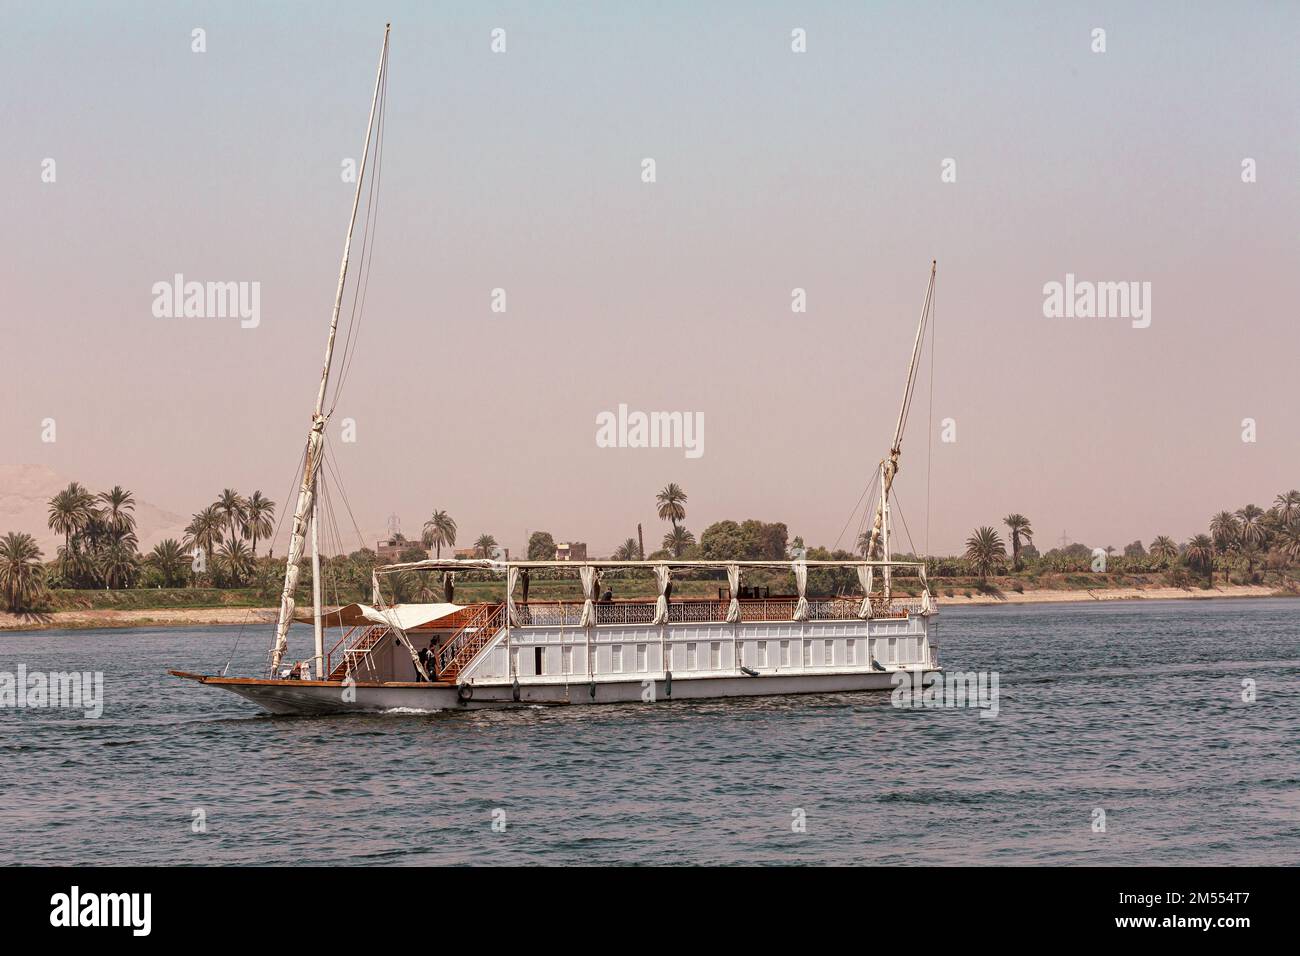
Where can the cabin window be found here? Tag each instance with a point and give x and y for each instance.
(616, 655)
(828, 658)
(850, 651)
(715, 656)
(642, 658)
(692, 656)
(891, 655)
(538, 660)
(807, 653)
(514, 660)
(762, 653)
(566, 658)
(785, 654)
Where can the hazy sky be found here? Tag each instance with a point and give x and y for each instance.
(775, 170)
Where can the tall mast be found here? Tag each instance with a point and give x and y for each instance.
(316, 436)
(318, 628)
(889, 467)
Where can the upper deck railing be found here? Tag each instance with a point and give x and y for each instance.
(569, 613)
(702, 611)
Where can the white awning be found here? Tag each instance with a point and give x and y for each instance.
(405, 616)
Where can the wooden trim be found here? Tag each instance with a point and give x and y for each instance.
(274, 682)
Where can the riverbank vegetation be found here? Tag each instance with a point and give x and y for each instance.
(217, 564)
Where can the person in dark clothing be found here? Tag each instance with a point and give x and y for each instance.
(427, 656)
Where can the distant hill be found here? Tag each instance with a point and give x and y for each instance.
(25, 493)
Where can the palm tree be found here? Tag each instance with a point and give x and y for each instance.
(259, 518)
(1288, 540)
(70, 512)
(1200, 555)
(678, 540)
(76, 567)
(235, 562)
(1252, 534)
(117, 564)
(1288, 507)
(485, 545)
(168, 559)
(440, 532)
(96, 535)
(1164, 549)
(864, 542)
(1020, 528)
(1225, 534)
(204, 531)
(233, 508)
(627, 551)
(22, 578)
(672, 501)
(119, 506)
(985, 551)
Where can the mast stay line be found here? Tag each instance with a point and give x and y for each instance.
(889, 467)
(315, 437)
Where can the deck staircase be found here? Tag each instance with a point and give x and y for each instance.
(477, 633)
(355, 654)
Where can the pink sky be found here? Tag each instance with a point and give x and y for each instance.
(775, 170)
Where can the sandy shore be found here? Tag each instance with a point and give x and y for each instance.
(164, 617)
(1048, 596)
(167, 617)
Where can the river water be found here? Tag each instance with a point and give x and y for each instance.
(1131, 710)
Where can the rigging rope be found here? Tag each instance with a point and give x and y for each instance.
(899, 505)
(332, 464)
(929, 447)
(297, 472)
(911, 375)
(865, 492)
(362, 284)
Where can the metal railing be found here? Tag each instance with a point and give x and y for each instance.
(569, 614)
(355, 653)
(461, 647)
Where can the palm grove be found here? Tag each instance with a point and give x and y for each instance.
(220, 550)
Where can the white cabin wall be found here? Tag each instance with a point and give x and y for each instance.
(890, 642)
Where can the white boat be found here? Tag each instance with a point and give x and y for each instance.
(512, 652)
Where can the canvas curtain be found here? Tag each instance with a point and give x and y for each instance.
(927, 604)
(588, 575)
(864, 578)
(663, 576)
(801, 582)
(733, 582)
(512, 578)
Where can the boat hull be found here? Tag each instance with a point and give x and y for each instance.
(332, 697)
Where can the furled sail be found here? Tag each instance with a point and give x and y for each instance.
(316, 436)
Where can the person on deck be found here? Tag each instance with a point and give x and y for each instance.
(427, 656)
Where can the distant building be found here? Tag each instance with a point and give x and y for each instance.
(391, 550)
(571, 551)
(500, 554)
